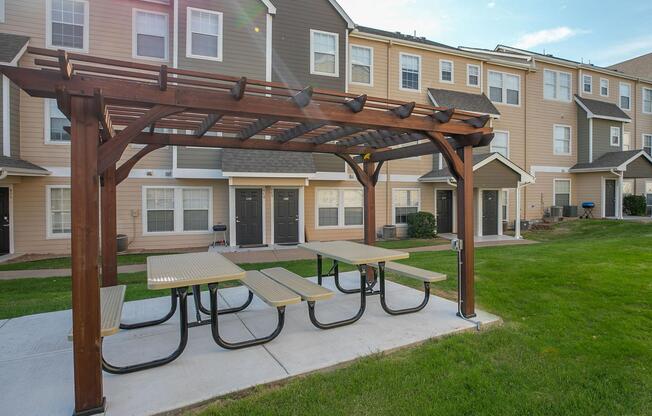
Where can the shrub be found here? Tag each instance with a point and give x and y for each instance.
(634, 204)
(421, 225)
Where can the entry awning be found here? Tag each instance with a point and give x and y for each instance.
(633, 163)
(602, 110)
(267, 163)
(10, 166)
(491, 170)
(12, 47)
(476, 103)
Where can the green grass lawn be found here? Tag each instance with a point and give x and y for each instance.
(412, 242)
(576, 339)
(64, 262)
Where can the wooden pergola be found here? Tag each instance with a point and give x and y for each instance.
(113, 103)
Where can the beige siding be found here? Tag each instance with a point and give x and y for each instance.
(589, 187)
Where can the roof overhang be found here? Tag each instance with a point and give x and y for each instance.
(435, 103)
(14, 61)
(349, 22)
(619, 168)
(271, 9)
(525, 177)
(305, 175)
(9, 171)
(590, 114)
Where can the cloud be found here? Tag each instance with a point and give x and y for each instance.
(623, 50)
(491, 4)
(546, 36)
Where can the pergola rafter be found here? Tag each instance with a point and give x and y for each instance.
(114, 103)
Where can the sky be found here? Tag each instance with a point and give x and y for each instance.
(600, 32)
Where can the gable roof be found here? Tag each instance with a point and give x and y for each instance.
(18, 167)
(478, 103)
(640, 66)
(236, 162)
(611, 161)
(12, 47)
(349, 22)
(601, 109)
(479, 160)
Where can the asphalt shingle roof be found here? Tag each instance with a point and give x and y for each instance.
(445, 172)
(267, 161)
(602, 108)
(10, 163)
(478, 103)
(10, 46)
(402, 36)
(609, 160)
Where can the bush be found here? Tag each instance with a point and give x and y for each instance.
(421, 225)
(634, 205)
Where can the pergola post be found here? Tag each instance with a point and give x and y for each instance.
(465, 232)
(369, 211)
(85, 249)
(109, 228)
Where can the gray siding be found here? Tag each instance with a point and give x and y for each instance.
(15, 120)
(639, 168)
(2, 138)
(582, 136)
(495, 175)
(601, 139)
(195, 158)
(291, 45)
(328, 163)
(244, 42)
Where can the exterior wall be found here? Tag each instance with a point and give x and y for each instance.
(199, 158)
(291, 42)
(328, 163)
(14, 100)
(602, 139)
(583, 136)
(589, 187)
(640, 66)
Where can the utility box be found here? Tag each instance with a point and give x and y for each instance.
(389, 232)
(570, 211)
(556, 212)
(123, 242)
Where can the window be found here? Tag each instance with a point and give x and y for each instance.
(587, 84)
(55, 122)
(150, 35)
(504, 88)
(500, 143)
(339, 208)
(324, 55)
(58, 211)
(446, 71)
(647, 143)
(406, 201)
(473, 75)
(204, 34)
(170, 209)
(67, 24)
(556, 85)
(614, 136)
(647, 100)
(562, 192)
(410, 72)
(362, 65)
(628, 187)
(562, 138)
(604, 87)
(625, 96)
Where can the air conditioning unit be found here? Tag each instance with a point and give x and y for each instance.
(570, 211)
(556, 212)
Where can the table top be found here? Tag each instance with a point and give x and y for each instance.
(354, 253)
(182, 270)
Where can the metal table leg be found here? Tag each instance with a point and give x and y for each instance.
(170, 314)
(357, 316)
(426, 298)
(199, 307)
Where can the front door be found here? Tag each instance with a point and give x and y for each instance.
(4, 221)
(444, 211)
(489, 212)
(286, 216)
(610, 198)
(249, 216)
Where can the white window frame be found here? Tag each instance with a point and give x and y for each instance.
(491, 148)
(340, 209)
(554, 190)
(468, 84)
(48, 28)
(371, 67)
(47, 126)
(400, 72)
(607, 82)
(134, 36)
(620, 96)
(557, 96)
(49, 235)
(312, 53)
(612, 135)
(394, 205)
(441, 77)
(570, 140)
(220, 32)
(504, 88)
(178, 210)
(643, 90)
(643, 137)
(590, 84)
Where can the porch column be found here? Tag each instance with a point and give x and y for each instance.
(619, 196)
(517, 220)
(85, 249)
(369, 211)
(465, 233)
(109, 229)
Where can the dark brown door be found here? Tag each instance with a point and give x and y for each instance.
(610, 198)
(249, 216)
(286, 216)
(4, 221)
(444, 211)
(489, 212)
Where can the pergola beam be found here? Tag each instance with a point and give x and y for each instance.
(298, 131)
(336, 134)
(207, 124)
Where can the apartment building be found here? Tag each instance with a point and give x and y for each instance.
(174, 195)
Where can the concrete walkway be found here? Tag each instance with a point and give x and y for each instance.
(36, 372)
(258, 256)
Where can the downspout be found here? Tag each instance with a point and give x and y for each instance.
(388, 188)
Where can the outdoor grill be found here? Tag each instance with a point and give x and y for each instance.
(588, 209)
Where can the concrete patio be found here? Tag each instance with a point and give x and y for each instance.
(36, 358)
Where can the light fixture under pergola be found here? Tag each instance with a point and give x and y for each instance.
(113, 103)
